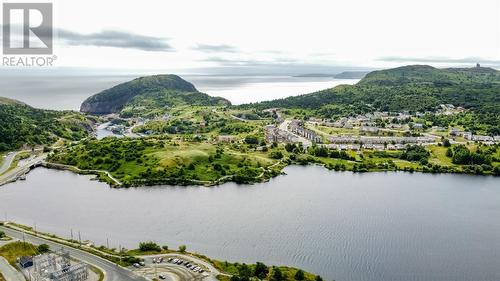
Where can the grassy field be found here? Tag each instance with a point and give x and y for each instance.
(14, 250)
(154, 160)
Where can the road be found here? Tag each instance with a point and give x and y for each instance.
(7, 161)
(10, 273)
(284, 127)
(112, 271)
(21, 169)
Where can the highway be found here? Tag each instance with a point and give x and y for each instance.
(21, 169)
(7, 161)
(112, 271)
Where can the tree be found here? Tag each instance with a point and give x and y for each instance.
(43, 248)
(276, 154)
(449, 152)
(446, 143)
(182, 248)
(164, 247)
(2, 234)
(318, 278)
(299, 275)
(244, 271)
(251, 140)
(261, 270)
(277, 275)
(149, 246)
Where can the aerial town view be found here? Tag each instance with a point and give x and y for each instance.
(205, 141)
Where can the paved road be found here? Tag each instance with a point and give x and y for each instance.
(10, 273)
(7, 161)
(284, 127)
(112, 271)
(21, 169)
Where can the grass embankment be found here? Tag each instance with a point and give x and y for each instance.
(242, 271)
(12, 251)
(1, 277)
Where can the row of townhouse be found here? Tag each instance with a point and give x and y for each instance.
(274, 134)
(381, 140)
(296, 128)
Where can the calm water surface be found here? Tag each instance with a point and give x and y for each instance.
(68, 92)
(373, 226)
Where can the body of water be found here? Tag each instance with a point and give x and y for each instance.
(68, 92)
(342, 225)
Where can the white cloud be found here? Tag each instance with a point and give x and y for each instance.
(317, 32)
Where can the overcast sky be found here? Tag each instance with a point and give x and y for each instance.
(308, 36)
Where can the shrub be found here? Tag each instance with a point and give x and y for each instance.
(149, 246)
(43, 248)
(182, 248)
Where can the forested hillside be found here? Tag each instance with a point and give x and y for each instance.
(148, 93)
(22, 124)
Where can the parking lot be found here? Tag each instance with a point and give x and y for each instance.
(171, 268)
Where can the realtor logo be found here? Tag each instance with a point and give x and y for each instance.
(27, 28)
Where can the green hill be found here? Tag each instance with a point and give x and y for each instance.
(410, 88)
(21, 124)
(149, 92)
(7, 101)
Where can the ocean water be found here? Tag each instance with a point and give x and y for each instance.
(68, 92)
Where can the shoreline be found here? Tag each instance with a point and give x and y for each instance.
(101, 176)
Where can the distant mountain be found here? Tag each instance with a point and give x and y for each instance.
(351, 75)
(159, 90)
(314, 75)
(428, 75)
(409, 88)
(21, 124)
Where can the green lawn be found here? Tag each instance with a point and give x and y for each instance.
(14, 250)
(133, 160)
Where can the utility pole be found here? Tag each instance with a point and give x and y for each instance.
(120, 252)
(34, 227)
(107, 242)
(71, 234)
(79, 238)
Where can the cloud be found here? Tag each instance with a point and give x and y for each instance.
(117, 39)
(207, 48)
(249, 62)
(468, 60)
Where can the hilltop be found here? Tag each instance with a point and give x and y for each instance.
(150, 92)
(7, 101)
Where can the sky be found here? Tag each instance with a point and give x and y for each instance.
(264, 37)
